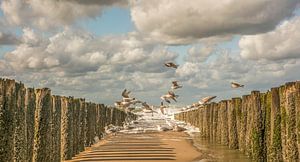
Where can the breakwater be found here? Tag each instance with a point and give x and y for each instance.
(264, 126)
(38, 126)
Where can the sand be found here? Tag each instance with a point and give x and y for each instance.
(152, 146)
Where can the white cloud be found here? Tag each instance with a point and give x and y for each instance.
(179, 21)
(199, 53)
(214, 76)
(75, 62)
(281, 43)
(49, 14)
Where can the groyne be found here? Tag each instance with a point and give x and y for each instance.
(38, 126)
(264, 126)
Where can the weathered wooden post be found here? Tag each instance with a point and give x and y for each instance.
(248, 108)
(258, 145)
(83, 124)
(232, 124)
(66, 128)
(56, 128)
(297, 100)
(219, 125)
(76, 126)
(42, 130)
(29, 117)
(290, 106)
(283, 122)
(224, 122)
(20, 139)
(275, 127)
(90, 123)
(211, 121)
(102, 117)
(215, 121)
(265, 104)
(7, 106)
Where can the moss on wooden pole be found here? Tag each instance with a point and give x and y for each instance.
(232, 124)
(275, 127)
(224, 122)
(56, 128)
(76, 126)
(82, 125)
(257, 134)
(35, 126)
(66, 128)
(283, 122)
(290, 106)
(215, 121)
(7, 126)
(42, 130)
(29, 117)
(265, 103)
(20, 139)
(297, 103)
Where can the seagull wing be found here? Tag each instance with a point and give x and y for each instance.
(125, 94)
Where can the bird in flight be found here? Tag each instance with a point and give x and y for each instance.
(206, 100)
(236, 85)
(125, 93)
(171, 64)
(175, 85)
(169, 96)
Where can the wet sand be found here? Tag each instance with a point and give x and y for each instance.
(151, 146)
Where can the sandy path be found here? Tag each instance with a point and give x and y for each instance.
(150, 147)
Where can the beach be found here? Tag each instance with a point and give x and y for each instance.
(149, 146)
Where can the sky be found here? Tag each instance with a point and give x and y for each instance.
(96, 48)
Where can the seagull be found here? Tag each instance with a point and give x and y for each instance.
(171, 64)
(175, 85)
(125, 93)
(170, 95)
(206, 100)
(236, 85)
(162, 108)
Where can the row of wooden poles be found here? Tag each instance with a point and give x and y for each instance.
(40, 127)
(264, 126)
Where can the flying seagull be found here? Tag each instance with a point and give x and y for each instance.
(171, 64)
(236, 85)
(170, 95)
(125, 93)
(206, 100)
(175, 85)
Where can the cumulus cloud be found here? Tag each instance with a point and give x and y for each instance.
(281, 43)
(49, 14)
(199, 53)
(180, 21)
(213, 77)
(76, 62)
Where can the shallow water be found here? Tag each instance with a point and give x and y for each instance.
(216, 152)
